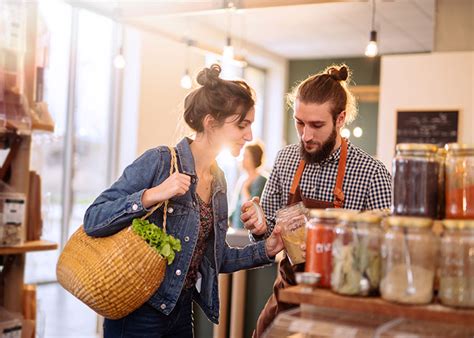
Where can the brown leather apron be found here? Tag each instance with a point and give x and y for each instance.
(286, 272)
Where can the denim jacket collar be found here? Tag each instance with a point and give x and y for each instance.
(186, 162)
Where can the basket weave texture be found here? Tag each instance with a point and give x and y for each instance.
(113, 275)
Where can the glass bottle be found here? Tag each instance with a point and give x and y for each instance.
(356, 263)
(292, 220)
(320, 235)
(460, 181)
(409, 251)
(415, 180)
(456, 280)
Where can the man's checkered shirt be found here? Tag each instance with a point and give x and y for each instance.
(367, 183)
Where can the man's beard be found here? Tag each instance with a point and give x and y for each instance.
(321, 154)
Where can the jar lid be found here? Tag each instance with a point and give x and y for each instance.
(322, 213)
(404, 221)
(458, 223)
(417, 147)
(459, 146)
(442, 151)
(370, 217)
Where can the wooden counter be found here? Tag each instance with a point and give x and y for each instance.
(376, 306)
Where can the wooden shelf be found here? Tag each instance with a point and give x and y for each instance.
(40, 245)
(328, 299)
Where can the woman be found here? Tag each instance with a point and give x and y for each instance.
(251, 184)
(221, 113)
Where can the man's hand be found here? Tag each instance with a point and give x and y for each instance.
(250, 219)
(274, 243)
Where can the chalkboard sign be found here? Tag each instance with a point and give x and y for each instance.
(437, 127)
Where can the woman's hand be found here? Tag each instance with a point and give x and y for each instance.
(175, 185)
(274, 243)
(249, 218)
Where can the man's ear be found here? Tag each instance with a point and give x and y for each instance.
(341, 119)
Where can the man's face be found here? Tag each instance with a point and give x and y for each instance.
(317, 131)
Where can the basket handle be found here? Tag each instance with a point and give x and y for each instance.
(173, 168)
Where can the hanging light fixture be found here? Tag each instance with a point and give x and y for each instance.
(228, 51)
(119, 60)
(186, 81)
(372, 49)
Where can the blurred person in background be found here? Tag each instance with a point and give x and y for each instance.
(251, 183)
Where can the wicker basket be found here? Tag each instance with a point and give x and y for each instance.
(112, 275)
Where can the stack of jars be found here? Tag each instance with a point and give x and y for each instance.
(456, 277)
(343, 246)
(430, 184)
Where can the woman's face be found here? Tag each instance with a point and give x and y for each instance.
(234, 134)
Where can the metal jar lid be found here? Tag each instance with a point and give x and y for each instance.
(323, 214)
(458, 223)
(422, 147)
(412, 222)
(459, 148)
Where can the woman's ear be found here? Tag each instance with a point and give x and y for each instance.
(209, 123)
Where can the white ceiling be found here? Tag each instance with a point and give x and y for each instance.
(334, 29)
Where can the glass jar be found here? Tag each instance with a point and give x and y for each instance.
(456, 280)
(415, 180)
(409, 250)
(460, 181)
(292, 220)
(320, 234)
(356, 263)
(441, 182)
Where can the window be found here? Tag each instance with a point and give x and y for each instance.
(74, 162)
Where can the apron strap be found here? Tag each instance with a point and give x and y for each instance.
(297, 177)
(341, 170)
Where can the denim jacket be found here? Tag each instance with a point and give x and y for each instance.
(117, 206)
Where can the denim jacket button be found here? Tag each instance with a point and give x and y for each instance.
(186, 239)
(163, 306)
(178, 272)
(194, 203)
(135, 207)
(170, 210)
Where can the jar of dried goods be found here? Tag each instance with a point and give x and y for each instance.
(409, 254)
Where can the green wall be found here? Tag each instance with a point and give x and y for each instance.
(365, 71)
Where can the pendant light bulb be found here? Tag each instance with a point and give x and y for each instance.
(186, 81)
(228, 52)
(119, 60)
(372, 49)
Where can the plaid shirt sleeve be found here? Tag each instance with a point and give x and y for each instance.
(379, 195)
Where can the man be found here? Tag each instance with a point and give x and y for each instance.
(323, 171)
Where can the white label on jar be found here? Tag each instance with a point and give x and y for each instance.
(13, 211)
(323, 247)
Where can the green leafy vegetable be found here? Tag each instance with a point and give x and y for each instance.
(165, 245)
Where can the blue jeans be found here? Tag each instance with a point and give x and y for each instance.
(148, 322)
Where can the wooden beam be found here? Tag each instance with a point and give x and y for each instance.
(196, 45)
(128, 9)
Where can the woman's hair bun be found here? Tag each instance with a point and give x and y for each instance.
(209, 77)
(340, 74)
